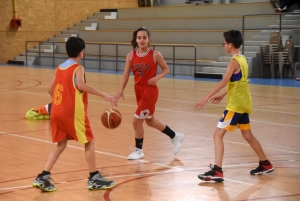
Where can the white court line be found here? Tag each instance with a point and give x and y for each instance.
(100, 152)
(190, 170)
(212, 115)
(181, 111)
(131, 175)
(15, 187)
(172, 169)
(246, 144)
(172, 100)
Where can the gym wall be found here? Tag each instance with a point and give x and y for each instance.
(42, 19)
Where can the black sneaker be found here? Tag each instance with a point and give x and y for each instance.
(263, 168)
(98, 182)
(44, 183)
(215, 174)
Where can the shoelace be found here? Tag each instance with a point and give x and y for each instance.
(133, 149)
(50, 180)
(102, 174)
(259, 168)
(213, 169)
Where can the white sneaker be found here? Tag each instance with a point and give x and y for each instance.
(136, 154)
(176, 141)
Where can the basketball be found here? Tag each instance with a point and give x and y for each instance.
(111, 118)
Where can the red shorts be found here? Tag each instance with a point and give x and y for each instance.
(146, 97)
(81, 132)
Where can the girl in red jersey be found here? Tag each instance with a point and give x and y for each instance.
(143, 62)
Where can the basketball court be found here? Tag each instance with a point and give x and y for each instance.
(161, 176)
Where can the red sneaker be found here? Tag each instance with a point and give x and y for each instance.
(215, 174)
(263, 167)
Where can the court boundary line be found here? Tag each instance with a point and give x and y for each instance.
(196, 113)
(216, 105)
(171, 170)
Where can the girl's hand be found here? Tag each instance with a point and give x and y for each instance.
(153, 81)
(119, 95)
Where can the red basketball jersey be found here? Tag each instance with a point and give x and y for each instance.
(69, 108)
(143, 66)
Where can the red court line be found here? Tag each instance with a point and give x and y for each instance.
(107, 192)
(189, 89)
(17, 84)
(276, 197)
(38, 83)
(106, 195)
(6, 192)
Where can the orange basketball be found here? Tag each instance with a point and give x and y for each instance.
(111, 118)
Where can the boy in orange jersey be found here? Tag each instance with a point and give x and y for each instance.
(239, 106)
(69, 120)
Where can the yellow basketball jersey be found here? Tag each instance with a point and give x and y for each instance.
(238, 94)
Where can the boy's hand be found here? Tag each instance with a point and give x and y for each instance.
(112, 100)
(200, 105)
(217, 99)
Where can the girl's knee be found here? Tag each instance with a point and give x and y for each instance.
(137, 122)
(149, 122)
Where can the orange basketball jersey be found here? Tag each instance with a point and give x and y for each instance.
(69, 107)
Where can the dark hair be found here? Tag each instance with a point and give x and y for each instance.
(74, 46)
(134, 36)
(235, 37)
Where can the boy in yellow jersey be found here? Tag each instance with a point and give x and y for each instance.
(236, 114)
(69, 120)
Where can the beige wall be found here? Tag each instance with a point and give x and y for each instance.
(42, 19)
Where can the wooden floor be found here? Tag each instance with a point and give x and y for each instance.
(161, 176)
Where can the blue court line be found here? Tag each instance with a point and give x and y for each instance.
(285, 82)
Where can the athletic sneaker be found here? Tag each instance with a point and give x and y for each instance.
(37, 114)
(97, 182)
(41, 110)
(44, 183)
(136, 154)
(284, 8)
(176, 141)
(215, 174)
(263, 168)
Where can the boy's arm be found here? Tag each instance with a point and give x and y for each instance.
(217, 99)
(233, 66)
(164, 67)
(51, 86)
(82, 86)
(125, 77)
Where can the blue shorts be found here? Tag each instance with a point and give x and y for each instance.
(230, 120)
